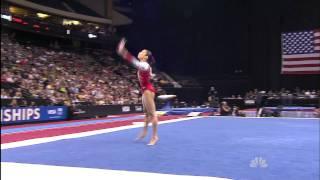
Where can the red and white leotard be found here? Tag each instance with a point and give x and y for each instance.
(144, 72)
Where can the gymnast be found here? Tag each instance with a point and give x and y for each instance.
(148, 91)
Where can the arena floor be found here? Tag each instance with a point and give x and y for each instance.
(189, 148)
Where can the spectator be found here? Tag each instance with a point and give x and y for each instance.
(236, 111)
(225, 109)
(317, 113)
(14, 103)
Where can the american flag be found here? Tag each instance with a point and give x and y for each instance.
(301, 52)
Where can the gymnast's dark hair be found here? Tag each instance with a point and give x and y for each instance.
(151, 59)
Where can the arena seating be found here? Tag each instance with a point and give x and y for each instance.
(65, 77)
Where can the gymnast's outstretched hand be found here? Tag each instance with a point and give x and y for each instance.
(121, 49)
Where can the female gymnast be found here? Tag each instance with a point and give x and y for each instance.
(148, 91)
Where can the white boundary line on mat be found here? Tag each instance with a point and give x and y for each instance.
(289, 118)
(14, 171)
(82, 134)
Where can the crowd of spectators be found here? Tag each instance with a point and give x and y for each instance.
(297, 93)
(66, 77)
(278, 94)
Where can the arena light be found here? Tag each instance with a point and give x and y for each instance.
(6, 17)
(92, 36)
(70, 22)
(42, 15)
(17, 10)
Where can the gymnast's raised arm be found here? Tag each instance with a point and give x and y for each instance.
(125, 54)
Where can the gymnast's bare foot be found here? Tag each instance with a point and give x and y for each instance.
(153, 141)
